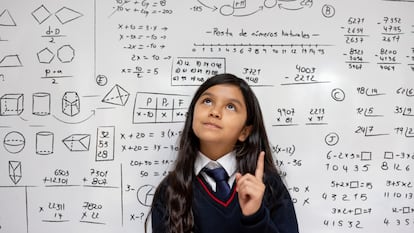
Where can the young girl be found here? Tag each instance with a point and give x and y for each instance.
(224, 129)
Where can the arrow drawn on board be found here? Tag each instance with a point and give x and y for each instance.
(252, 13)
(214, 8)
(78, 122)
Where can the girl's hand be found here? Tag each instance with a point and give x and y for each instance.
(251, 188)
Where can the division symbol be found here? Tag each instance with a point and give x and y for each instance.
(6, 19)
(41, 14)
(10, 61)
(14, 142)
(15, 171)
(117, 95)
(77, 142)
(65, 15)
(145, 194)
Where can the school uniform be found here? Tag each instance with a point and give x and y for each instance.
(215, 215)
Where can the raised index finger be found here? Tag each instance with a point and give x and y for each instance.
(260, 166)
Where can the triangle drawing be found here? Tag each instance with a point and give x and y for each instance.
(6, 19)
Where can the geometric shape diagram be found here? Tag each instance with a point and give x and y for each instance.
(44, 143)
(6, 19)
(45, 56)
(11, 104)
(145, 194)
(65, 15)
(11, 61)
(117, 95)
(71, 103)
(77, 142)
(41, 14)
(41, 104)
(15, 171)
(66, 53)
(14, 142)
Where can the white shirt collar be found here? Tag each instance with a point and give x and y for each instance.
(227, 161)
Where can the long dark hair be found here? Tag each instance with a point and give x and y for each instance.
(179, 194)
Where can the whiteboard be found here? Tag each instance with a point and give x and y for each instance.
(94, 93)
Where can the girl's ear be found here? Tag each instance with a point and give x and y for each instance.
(245, 133)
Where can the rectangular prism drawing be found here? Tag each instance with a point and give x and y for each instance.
(11, 104)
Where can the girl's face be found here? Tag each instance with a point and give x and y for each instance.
(219, 120)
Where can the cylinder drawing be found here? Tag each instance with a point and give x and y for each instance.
(44, 143)
(41, 104)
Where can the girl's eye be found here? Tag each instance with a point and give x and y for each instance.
(231, 107)
(207, 101)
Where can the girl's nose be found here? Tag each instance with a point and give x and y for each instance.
(214, 113)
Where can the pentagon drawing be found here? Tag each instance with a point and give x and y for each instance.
(45, 56)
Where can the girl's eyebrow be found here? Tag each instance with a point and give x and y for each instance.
(233, 100)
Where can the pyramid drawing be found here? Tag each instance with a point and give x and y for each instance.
(117, 96)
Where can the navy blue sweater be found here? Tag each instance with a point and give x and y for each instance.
(212, 215)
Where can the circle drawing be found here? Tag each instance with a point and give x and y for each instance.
(14, 142)
(145, 194)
